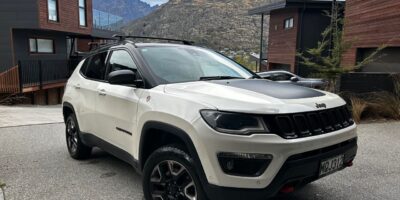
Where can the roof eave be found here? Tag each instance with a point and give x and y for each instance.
(266, 9)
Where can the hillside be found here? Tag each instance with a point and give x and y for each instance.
(128, 9)
(217, 24)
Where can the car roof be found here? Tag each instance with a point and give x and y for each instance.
(108, 46)
(105, 47)
(275, 71)
(143, 44)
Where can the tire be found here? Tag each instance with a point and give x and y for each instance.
(76, 148)
(170, 173)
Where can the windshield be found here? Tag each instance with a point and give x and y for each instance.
(174, 64)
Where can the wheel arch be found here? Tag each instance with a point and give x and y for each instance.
(67, 109)
(170, 130)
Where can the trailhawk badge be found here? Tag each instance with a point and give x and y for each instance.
(320, 105)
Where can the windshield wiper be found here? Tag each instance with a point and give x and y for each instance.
(208, 78)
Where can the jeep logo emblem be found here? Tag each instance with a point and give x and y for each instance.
(320, 105)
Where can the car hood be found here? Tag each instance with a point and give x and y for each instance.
(254, 96)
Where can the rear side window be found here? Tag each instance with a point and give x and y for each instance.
(121, 60)
(96, 67)
(84, 66)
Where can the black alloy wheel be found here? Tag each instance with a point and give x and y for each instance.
(171, 180)
(170, 174)
(76, 148)
(72, 136)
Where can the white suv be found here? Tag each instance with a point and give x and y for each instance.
(197, 125)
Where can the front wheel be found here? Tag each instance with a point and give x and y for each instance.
(169, 175)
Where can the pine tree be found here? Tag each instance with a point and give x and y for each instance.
(326, 58)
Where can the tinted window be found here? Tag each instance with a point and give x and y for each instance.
(84, 66)
(121, 60)
(96, 68)
(282, 77)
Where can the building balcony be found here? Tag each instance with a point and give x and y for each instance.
(106, 21)
(35, 75)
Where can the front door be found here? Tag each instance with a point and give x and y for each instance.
(117, 104)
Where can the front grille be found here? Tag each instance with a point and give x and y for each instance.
(300, 125)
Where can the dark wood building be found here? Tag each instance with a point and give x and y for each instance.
(39, 44)
(368, 25)
(295, 25)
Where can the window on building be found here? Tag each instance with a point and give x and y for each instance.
(37, 45)
(52, 9)
(82, 12)
(289, 23)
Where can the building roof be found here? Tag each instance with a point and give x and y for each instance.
(280, 4)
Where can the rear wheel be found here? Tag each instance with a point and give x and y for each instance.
(169, 175)
(76, 148)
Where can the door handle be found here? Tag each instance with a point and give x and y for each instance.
(77, 86)
(102, 92)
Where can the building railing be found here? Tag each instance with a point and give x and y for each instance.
(106, 21)
(41, 72)
(36, 73)
(9, 81)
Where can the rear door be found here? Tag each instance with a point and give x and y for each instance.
(92, 75)
(117, 104)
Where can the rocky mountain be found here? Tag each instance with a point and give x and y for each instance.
(217, 24)
(128, 9)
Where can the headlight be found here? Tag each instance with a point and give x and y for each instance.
(234, 123)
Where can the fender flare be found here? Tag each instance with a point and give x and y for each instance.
(70, 106)
(181, 134)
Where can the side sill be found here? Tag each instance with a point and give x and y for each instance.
(92, 140)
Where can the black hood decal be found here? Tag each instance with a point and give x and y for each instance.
(273, 89)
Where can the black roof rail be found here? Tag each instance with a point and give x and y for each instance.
(122, 37)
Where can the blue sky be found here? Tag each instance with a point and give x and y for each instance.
(155, 2)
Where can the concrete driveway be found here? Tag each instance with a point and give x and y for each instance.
(34, 164)
(29, 115)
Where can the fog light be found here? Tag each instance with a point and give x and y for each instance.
(244, 164)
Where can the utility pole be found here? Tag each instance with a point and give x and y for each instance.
(261, 43)
(333, 26)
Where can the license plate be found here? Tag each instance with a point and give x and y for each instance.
(331, 165)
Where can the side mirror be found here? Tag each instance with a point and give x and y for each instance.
(294, 79)
(123, 77)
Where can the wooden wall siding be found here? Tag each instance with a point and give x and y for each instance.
(83, 45)
(283, 42)
(68, 14)
(9, 81)
(370, 24)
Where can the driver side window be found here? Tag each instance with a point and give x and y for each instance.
(121, 60)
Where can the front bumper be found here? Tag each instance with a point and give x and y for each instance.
(297, 171)
(209, 143)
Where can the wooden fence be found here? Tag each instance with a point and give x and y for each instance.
(9, 81)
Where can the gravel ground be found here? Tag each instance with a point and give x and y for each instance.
(34, 164)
